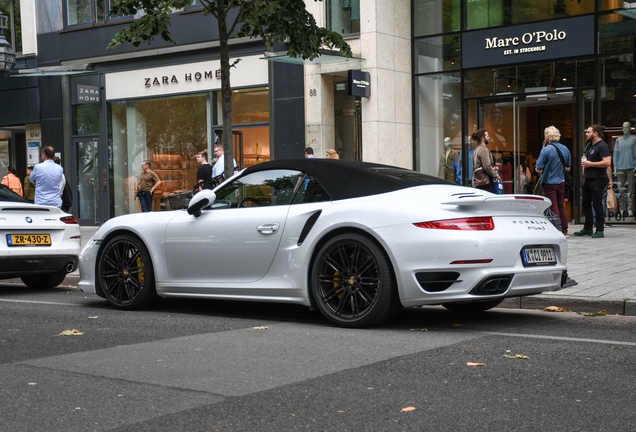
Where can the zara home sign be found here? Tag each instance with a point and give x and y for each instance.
(183, 78)
(547, 40)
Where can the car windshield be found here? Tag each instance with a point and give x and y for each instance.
(7, 194)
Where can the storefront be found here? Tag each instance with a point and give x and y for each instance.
(164, 115)
(515, 67)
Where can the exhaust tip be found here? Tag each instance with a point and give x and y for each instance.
(70, 267)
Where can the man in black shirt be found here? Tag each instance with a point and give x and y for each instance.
(595, 182)
(205, 170)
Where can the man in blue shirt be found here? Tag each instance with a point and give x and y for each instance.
(553, 172)
(48, 178)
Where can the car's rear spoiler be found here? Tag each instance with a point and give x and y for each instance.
(527, 202)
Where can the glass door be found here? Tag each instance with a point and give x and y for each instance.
(505, 121)
(85, 201)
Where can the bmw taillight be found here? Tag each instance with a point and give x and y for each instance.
(471, 224)
(69, 220)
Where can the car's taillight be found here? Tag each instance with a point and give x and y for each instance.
(473, 224)
(69, 220)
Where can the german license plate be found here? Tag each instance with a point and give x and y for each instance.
(29, 239)
(538, 256)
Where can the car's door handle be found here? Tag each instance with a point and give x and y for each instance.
(268, 228)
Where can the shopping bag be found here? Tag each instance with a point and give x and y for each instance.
(611, 200)
(499, 188)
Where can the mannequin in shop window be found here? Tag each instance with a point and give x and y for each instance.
(624, 164)
(446, 169)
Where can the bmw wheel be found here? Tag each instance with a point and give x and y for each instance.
(125, 274)
(472, 307)
(352, 282)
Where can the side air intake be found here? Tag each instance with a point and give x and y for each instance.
(436, 281)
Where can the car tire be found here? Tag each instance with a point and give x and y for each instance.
(472, 307)
(125, 273)
(352, 282)
(45, 281)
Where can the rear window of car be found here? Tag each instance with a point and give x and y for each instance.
(7, 194)
(410, 176)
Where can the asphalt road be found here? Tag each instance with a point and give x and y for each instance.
(230, 366)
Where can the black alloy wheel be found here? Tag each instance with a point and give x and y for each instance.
(472, 307)
(353, 284)
(125, 274)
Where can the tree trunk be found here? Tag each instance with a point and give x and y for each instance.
(226, 91)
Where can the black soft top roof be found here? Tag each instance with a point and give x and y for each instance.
(344, 179)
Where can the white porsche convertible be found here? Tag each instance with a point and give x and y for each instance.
(358, 241)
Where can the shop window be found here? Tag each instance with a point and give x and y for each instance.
(168, 132)
(616, 31)
(492, 13)
(81, 12)
(618, 91)
(13, 33)
(343, 16)
(437, 54)
(435, 16)
(438, 115)
(530, 78)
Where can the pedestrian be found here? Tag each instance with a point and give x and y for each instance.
(332, 154)
(218, 172)
(29, 188)
(309, 153)
(595, 165)
(483, 161)
(12, 181)
(554, 161)
(205, 170)
(48, 178)
(148, 182)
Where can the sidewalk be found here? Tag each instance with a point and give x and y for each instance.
(605, 270)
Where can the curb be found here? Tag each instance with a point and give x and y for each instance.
(574, 304)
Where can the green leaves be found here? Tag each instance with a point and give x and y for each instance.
(274, 21)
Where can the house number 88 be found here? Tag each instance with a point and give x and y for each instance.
(312, 92)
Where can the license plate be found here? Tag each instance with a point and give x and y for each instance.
(538, 256)
(29, 239)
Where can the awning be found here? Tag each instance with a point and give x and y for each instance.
(326, 57)
(54, 71)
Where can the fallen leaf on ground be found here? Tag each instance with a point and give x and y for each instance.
(70, 333)
(93, 317)
(456, 325)
(423, 329)
(553, 309)
(261, 328)
(600, 313)
(516, 356)
(475, 364)
(407, 409)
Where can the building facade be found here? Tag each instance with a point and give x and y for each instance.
(432, 72)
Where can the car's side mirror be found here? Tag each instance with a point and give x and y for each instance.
(200, 201)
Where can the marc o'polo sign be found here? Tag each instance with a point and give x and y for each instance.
(548, 40)
(359, 83)
(88, 94)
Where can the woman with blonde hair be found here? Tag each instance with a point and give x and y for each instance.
(332, 154)
(12, 181)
